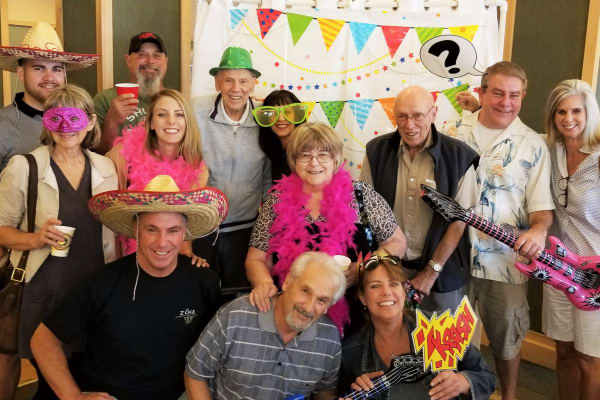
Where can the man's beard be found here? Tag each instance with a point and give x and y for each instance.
(149, 85)
(299, 326)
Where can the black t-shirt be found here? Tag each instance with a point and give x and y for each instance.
(136, 348)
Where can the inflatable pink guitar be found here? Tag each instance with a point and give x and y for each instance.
(578, 277)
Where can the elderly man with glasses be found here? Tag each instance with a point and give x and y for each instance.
(396, 164)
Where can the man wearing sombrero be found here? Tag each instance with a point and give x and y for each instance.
(40, 63)
(143, 312)
(236, 163)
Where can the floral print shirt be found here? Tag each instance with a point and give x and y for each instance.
(513, 180)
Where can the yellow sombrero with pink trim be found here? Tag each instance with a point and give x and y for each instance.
(205, 208)
(42, 42)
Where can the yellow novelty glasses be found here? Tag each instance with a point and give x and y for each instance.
(267, 116)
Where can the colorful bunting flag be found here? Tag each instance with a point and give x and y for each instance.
(388, 107)
(266, 19)
(311, 106)
(394, 35)
(434, 95)
(361, 110)
(332, 110)
(237, 15)
(361, 33)
(298, 24)
(428, 32)
(330, 28)
(451, 96)
(467, 31)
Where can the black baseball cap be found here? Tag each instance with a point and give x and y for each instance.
(137, 40)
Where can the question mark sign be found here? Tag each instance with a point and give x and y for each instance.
(460, 56)
(453, 51)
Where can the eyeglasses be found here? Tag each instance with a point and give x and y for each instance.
(416, 117)
(267, 116)
(322, 157)
(563, 186)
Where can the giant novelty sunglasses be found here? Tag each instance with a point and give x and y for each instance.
(267, 116)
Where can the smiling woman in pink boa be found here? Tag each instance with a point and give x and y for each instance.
(168, 144)
(319, 208)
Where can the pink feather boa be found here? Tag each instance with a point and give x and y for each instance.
(290, 238)
(142, 167)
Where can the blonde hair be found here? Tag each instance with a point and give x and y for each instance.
(506, 68)
(77, 97)
(191, 145)
(569, 88)
(314, 136)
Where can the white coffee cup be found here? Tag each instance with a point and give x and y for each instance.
(342, 261)
(62, 250)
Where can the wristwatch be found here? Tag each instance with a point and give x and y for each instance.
(435, 266)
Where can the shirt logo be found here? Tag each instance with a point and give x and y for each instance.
(187, 315)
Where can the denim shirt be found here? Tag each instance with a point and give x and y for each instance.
(359, 356)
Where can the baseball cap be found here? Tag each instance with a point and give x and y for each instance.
(137, 40)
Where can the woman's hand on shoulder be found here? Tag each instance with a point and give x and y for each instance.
(48, 234)
(467, 101)
(448, 385)
(198, 261)
(260, 296)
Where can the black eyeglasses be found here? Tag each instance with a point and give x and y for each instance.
(563, 186)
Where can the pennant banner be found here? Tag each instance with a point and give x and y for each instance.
(388, 107)
(451, 96)
(332, 110)
(298, 24)
(311, 106)
(361, 110)
(354, 66)
(426, 33)
(236, 16)
(361, 33)
(467, 31)
(266, 19)
(330, 28)
(394, 35)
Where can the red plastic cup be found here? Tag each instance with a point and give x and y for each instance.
(127, 88)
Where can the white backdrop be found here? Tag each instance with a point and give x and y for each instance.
(349, 63)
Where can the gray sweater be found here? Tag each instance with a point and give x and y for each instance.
(19, 132)
(237, 166)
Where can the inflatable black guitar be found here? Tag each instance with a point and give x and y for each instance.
(405, 368)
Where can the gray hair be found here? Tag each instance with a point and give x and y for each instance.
(568, 88)
(331, 270)
(314, 136)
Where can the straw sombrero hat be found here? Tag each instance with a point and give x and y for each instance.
(42, 42)
(205, 208)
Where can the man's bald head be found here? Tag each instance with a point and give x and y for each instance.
(416, 94)
(414, 111)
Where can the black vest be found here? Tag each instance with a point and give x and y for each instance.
(452, 158)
